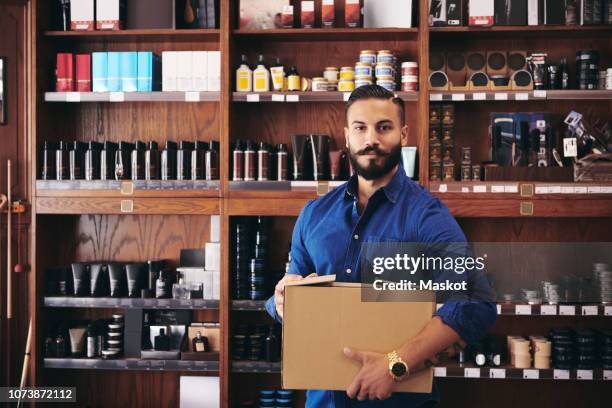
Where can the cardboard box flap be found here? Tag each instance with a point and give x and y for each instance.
(316, 280)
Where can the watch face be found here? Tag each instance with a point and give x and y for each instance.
(398, 369)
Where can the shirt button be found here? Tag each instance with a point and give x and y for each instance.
(355, 236)
(348, 270)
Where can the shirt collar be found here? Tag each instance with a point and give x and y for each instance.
(391, 190)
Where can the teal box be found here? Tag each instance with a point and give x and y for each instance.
(129, 71)
(114, 72)
(99, 71)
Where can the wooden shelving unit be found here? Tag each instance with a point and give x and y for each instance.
(120, 221)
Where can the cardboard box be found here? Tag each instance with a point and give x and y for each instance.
(454, 14)
(534, 12)
(82, 15)
(184, 76)
(510, 12)
(129, 71)
(321, 317)
(169, 67)
(99, 71)
(215, 228)
(199, 65)
(212, 331)
(213, 256)
(214, 71)
(110, 14)
(114, 72)
(139, 14)
(387, 13)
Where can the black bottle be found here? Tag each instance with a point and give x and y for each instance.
(60, 346)
(145, 343)
(92, 342)
(272, 346)
(62, 171)
(162, 341)
(122, 161)
(168, 161)
(564, 74)
(238, 161)
(200, 343)
(76, 157)
(183, 160)
(138, 161)
(50, 347)
(198, 161)
(92, 161)
(107, 161)
(152, 162)
(163, 285)
(212, 161)
(47, 161)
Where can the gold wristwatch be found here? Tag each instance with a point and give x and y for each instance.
(397, 367)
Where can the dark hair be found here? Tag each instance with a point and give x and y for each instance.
(376, 92)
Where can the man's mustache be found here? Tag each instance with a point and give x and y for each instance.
(371, 149)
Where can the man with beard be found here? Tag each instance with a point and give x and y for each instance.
(379, 204)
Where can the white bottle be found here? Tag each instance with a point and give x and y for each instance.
(244, 76)
(261, 77)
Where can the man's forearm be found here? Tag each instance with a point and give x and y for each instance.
(434, 344)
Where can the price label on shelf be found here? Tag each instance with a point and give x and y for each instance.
(531, 374)
(567, 190)
(497, 373)
(293, 98)
(465, 189)
(561, 374)
(73, 97)
(471, 373)
(594, 190)
(117, 97)
(607, 310)
(479, 96)
(590, 310)
(252, 98)
(443, 188)
(480, 189)
(580, 190)
(548, 310)
(278, 98)
(435, 97)
(607, 375)
(497, 189)
(501, 96)
(513, 188)
(539, 94)
(499, 310)
(346, 96)
(439, 371)
(192, 96)
(522, 96)
(567, 310)
(606, 189)
(584, 374)
(458, 97)
(522, 309)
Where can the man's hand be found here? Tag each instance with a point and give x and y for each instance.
(373, 380)
(279, 291)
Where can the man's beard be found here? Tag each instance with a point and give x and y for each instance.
(373, 171)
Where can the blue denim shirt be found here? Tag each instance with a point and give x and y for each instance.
(327, 239)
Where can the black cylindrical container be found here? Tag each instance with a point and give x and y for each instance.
(183, 160)
(47, 161)
(320, 156)
(198, 161)
(250, 161)
(138, 161)
(62, 162)
(282, 162)
(107, 161)
(263, 162)
(300, 157)
(168, 161)
(212, 161)
(77, 160)
(152, 171)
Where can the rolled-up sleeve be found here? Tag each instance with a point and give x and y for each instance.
(471, 318)
(301, 262)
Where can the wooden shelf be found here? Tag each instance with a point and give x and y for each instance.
(328, 34)
(518, 189)
(156, 34)
(249, 305)
(507, 372)
(135, 206)
(129, 303)
(557, 31)
(127, 189)
(518, 96)
(132, 96)
(260, 367)
(131, 364)
(292, 97)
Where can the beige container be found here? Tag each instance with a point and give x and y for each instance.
(542, 362)
(522, 360)
(542, 348)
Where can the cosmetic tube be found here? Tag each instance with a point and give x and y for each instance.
(134, 274)
(116, 279)
(409, 160)
(80, 277)
(98, 275)
(77, 340)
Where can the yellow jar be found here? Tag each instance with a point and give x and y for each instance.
(347, 73)
(346, 85)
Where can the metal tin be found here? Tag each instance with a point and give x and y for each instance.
(331, 74)
(466, 172)
(346, 85)
(368, 56)
(410, 68)
(448, 171)
(319, 85)
(384, 69)
(363, 69)
(466, 155)
(347, 73)
(362, 81)
(385, 83)
(435, 171)
(385, 56)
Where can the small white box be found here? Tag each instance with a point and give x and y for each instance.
(191, 274)
(533, 18)
(214, 71)
(169, 67)
(108, 14)
(387, 13)
(183, 71)
(199, 392)
(213, 256)
(481, 12)
(82, 15)
(215, 228)
(216, 286)
(208, 285)
(199, 71)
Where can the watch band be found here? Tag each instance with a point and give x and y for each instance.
(394, 358)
